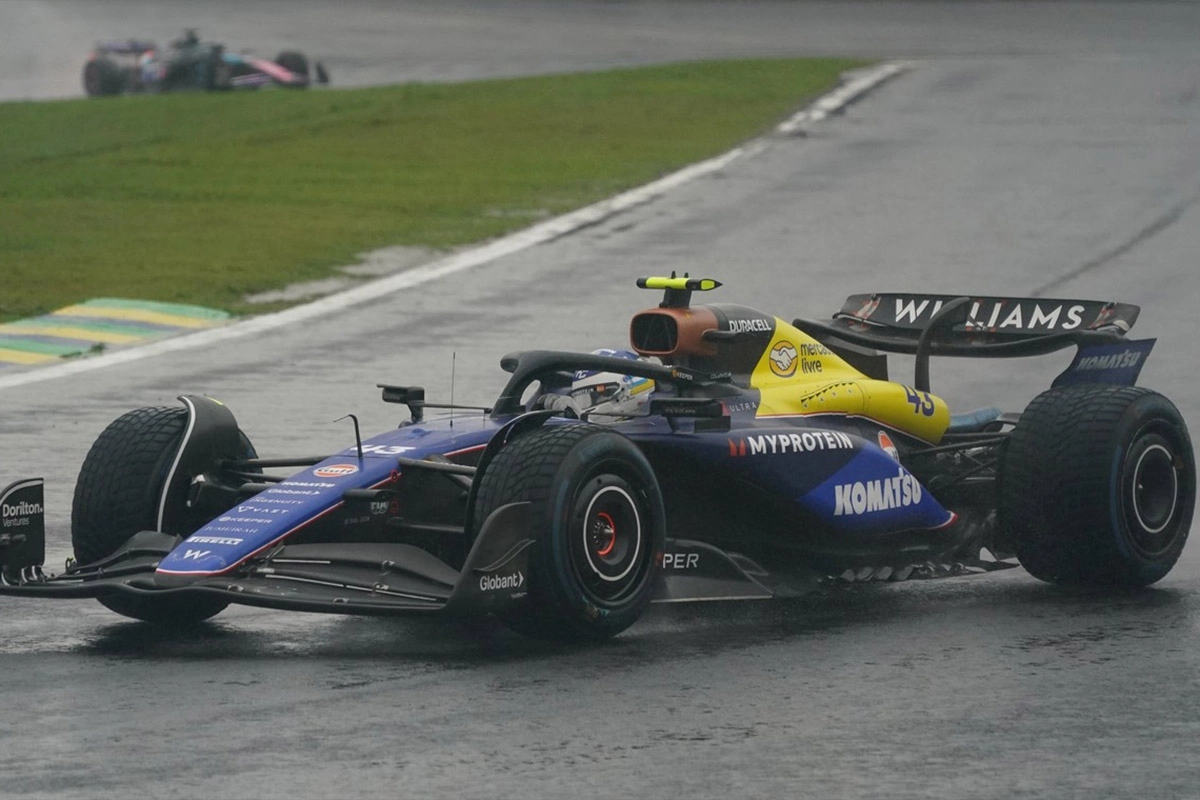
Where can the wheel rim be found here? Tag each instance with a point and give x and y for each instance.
(1152, 495)
(1155, 488)
(607, 545)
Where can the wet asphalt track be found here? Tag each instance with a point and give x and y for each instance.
(1047, 149)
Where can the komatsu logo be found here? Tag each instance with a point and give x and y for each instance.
(1123, 360)
(867, 497)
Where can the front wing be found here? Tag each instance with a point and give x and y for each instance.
(381, 578)
(349, 578)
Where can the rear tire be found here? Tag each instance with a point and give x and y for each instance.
(117, 495)
(1098, 486)
(600, 525)
(293, 61)
(102, 77)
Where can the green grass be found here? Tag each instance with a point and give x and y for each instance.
(206, 198)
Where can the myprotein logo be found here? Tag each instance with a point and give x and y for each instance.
(492, 583)
(780, 443)
(869, 497)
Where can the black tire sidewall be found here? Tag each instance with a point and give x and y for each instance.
(102, 78)
(120, 481)
(557, 578)
(549, 468)
(1150, 420)
(1065, 485)
(117, 495)
(219, 74)
(293, 61)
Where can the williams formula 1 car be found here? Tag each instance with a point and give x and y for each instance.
(731, 456)
(137, 66)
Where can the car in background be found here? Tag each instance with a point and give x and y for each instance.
(137, 66)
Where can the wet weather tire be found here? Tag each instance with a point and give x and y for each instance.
(102, 76)
(293, 61)
(1098, 486)
(218, 74)
(117, 495)
(600, 526)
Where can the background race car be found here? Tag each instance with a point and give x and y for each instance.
(188, 63)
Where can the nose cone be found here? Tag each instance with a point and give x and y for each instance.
(190, 561)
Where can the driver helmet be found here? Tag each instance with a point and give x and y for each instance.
(608, 395)
(152, 70)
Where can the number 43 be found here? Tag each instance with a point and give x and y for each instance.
(922, 402)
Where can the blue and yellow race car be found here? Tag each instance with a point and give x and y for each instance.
(729, 455)
(137, 66)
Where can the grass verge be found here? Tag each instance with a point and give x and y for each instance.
(206, 198)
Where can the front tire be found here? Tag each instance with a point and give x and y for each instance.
(1098, 486)
(118, 493)
(599, 518)
(219, 74)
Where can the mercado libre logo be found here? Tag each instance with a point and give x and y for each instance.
(335, 471)
(784, 358)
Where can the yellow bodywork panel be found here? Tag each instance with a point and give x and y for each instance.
(798, 375)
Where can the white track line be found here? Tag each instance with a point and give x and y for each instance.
(468, 259)
(839, 98)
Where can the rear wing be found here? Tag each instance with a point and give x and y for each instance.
(987, 327)
(126, 47)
